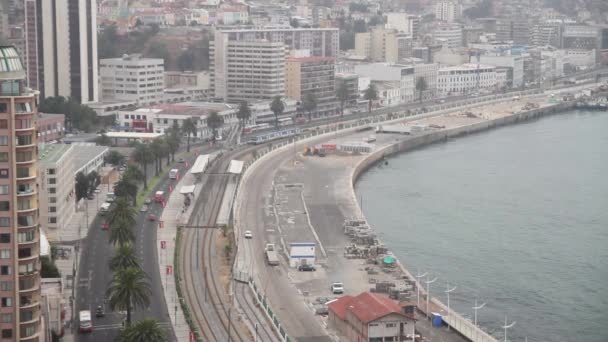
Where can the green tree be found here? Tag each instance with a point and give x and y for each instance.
(189, 128)
(143, 156)
(421, 86)
(48, 269)
(185, 61)
(146, 330)
(244, 113)
(103, 140)
(157, 148)
(342, 95)
(214, 121)
(121, 211)
(173, 140)
(309, 104)
(277, 107)
(129, 290)
(159, 50)
(114, 157)
(371, 94)
(94, 180)
(123, 258)
(127, 188)
(76, 115)
(106, 42)
(82, 186)
(121, 234)
(133, 174)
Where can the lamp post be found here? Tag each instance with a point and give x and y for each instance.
(448, 290)
(475, 308)
(507, 326)
(418, 276)
(428, 294)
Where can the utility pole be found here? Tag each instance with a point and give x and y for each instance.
(418, 276)
(428, 294)
(475, 308)
(448, 290)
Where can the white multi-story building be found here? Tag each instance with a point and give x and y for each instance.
(247, 70)
(403, 22)
(389, 93)
(450, 34)
(383, 45)
(67, 55)
(581, 59)
(132, 78)
(552, 64)
(196, 83)
(448, 10)
(428, 71)
(466, 79)
(380, 72)
(515, 63)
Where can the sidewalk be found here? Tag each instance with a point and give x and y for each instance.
(65, 239)
(173, 215)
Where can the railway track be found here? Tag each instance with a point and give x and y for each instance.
(210, 305)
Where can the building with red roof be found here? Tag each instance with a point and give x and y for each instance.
(369, 317)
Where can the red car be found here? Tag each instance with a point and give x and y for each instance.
(152, 217)
(105, 226)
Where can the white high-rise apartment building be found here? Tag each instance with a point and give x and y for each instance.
(450, 34)
(132, 78)
(465, 79)
(403, 22)
(448, 10)
(67, 50)
(247, 70)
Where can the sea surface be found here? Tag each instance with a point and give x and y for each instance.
(515, 217)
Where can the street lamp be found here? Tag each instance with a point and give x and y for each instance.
(507, 327)
(418, 287)
(428, 294)
(448, 290)
(475, 308)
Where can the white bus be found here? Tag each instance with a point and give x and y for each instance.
(84, 320)
(173, 173)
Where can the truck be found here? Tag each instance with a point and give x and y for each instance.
(271, 254)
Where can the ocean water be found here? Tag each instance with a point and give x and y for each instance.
(515, 217)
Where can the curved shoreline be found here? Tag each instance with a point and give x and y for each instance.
(463, 326)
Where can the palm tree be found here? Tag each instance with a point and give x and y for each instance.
(214, 121)
(124, 258)
(189, 128)
(128, 290)
(146, 330)
(371, 94)
(127, 188)
(157, 151)
(173, 141)
(342, 95)
(121, 234)
(244, 113)
(143, 155)
(121, 211)
(277, 107)
(421, 86)
(133, 173)
(309, 104)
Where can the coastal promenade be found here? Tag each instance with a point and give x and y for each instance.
(327, 199)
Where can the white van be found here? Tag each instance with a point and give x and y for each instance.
(105, 207)
(173, 173)
(84, 320)
(110, 197)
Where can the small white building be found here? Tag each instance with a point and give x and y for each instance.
(466, 79)
(132, 78)
(301, 253)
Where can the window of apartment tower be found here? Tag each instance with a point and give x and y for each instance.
(7, 333)
(3, 124)
(3, 107)
(5, 270)
(7, 302)
(3, 157)
(4, 206)
(5, 238)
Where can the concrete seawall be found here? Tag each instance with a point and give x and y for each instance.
(459, 323)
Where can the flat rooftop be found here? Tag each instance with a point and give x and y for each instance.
(83, 154)
(52, 153)
(133, 135)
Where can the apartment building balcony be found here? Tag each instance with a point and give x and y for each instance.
(26, 173)
(24, 108)
(28, 253)
(26, 205)
(30, 331)
(27, 221)
(29, 300)
(29, 316)
(28, 283)
(25, 141)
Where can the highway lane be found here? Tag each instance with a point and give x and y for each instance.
(94, 274)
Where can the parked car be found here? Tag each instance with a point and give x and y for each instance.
(99, 311)
(181, 160)
(306, 268)
(148, 201)
(143, 208)
(105, 226)
(248, 234)
(337, 288)
(151, 217)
